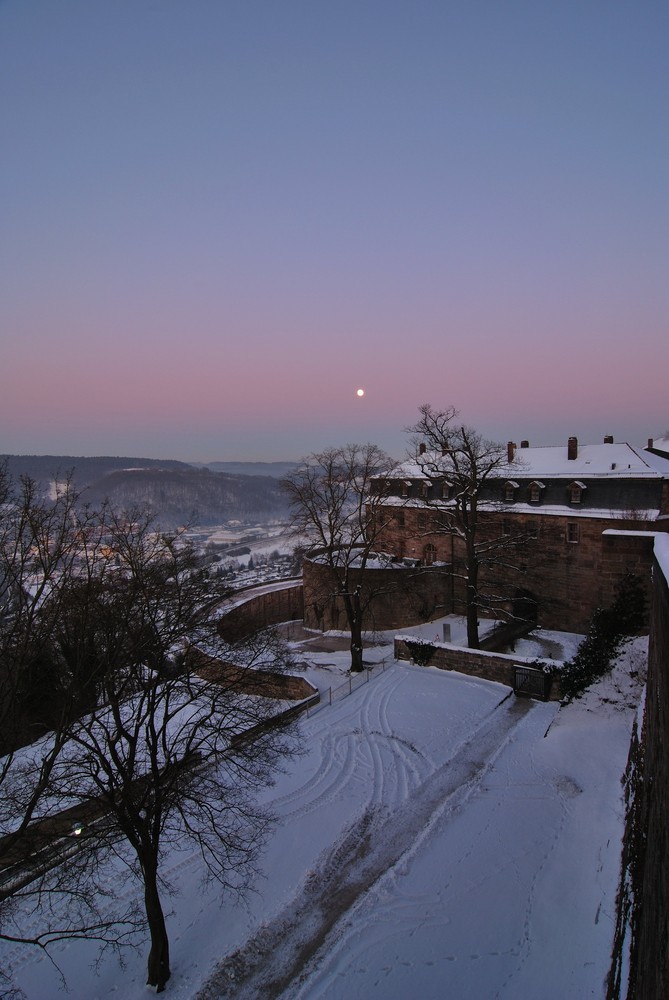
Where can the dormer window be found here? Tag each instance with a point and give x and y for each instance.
(535, 490)
(510, 488)
(425, 490)
(446, 490)
(406, 487)
(576, 491)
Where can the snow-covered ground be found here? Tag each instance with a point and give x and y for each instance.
(439, 838)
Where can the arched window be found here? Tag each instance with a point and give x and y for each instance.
(575, 491)
(534, 492)
(429, 555)
(510, 491)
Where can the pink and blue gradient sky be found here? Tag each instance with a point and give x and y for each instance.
(221, 217)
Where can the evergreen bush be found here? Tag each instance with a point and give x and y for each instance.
(609, 629)
(421, 651)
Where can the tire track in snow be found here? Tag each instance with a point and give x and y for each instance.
(339, 757)
(278, 956)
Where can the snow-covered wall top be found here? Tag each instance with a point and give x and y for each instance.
(661, 550)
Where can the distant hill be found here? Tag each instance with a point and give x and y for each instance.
(276, 469)
(177, 492)
(45, 468)
(194, 495)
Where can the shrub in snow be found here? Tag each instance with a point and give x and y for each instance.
(421, 651)
(609, 629)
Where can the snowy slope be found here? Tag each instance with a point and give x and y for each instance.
(437, 839)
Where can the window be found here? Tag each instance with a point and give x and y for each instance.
(534, 492)
(572, 532)
(400, 519)
(575, 491)
(429, 554)
(446, 490)
(510, 491)
(506, 526)
(425, 490)
(422, 522)
(533, 530)
(406, 486)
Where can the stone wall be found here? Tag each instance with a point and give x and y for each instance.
(473, 662)
(570, 564)
(258, 611)
(263, 683)
(391, 598)
(649, 977)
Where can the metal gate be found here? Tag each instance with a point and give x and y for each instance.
(530, 682)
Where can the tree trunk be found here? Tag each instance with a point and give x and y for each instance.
(354, 616)
(472, 602)
(472, 620)
(159, 956)
(356, 636)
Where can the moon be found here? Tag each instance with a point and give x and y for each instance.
(360, 392)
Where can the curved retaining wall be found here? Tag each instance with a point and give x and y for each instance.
(392, 598)
(259, 607)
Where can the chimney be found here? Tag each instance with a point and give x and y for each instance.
(650, 444)
(422, 448)
(524, 444)
(510, 451)
(572, 449)
(608, 439)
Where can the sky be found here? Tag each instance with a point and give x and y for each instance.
(220, 218)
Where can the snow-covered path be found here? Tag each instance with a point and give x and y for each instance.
(437, 839)
(276, 957)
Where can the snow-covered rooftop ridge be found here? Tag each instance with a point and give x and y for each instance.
(617, 461)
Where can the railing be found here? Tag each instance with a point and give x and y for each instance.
(351, 684)
(531, 682)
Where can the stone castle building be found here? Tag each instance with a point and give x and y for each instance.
(559, 527)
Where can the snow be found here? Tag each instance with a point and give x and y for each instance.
(438, 838)
(617, 461)
(661, 550)
(519, 507)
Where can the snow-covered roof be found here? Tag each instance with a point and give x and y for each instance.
(662, 444)
(658, 462)
(611, 461)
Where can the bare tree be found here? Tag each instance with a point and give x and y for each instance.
(333, 505)
(465, 465)
(161, 758)
(40, 542)
(147, 749)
